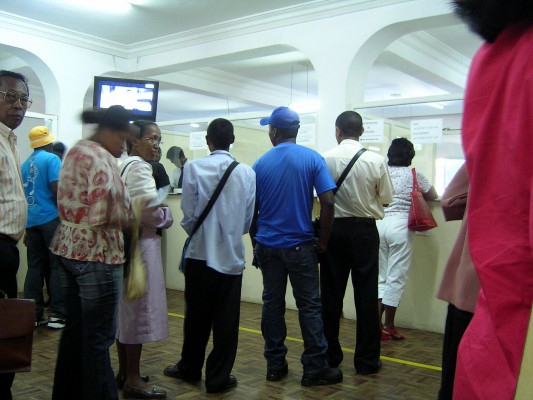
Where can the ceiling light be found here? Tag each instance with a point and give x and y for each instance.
(106, 5)
(438, 106)
(303, 107)
(193, 125)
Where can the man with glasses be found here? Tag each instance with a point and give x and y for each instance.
(14, 102)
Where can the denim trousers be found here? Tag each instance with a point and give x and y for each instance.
(83, 369)
(300, 265)
(41, 260)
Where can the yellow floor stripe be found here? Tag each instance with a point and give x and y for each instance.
(292, 339)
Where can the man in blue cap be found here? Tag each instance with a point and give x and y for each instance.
(284, 245)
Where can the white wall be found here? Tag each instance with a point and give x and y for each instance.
(341, 48)
(419, 308)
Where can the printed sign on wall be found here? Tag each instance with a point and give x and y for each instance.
(374, 131)
(426, 131)
(197, 140)
(306, 134)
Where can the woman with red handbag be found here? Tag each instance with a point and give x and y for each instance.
(395, 238)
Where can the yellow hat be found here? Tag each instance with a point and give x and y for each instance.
(40, 136)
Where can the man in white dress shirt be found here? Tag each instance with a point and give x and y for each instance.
(177, 157)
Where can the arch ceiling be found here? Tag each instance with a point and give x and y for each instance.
(260, 78)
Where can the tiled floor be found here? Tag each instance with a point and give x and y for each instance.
(410, 368)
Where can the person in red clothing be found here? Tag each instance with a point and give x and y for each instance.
(497, 140)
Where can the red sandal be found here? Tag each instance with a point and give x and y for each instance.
(391, 334)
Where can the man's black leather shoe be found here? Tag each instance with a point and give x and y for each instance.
(274, 376)
(369, 371)
(230, 384)
(174, 372)
(327, 376)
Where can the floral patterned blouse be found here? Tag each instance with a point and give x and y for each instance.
(402, 181)
(93, 206)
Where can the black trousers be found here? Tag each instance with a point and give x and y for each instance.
(456, 323)
(9, 265)
(353, 248)
(212, 302)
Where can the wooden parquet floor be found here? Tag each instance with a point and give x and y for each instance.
(410, 367)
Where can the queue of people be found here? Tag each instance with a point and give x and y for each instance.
(95, 196)
(363, 232)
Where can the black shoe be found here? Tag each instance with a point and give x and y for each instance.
(327, 376)
(274, 376)
(120, 379)
(369, 370)
(230, 384)
(131, 392)
(174, 372)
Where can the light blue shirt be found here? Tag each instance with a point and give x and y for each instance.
(218, 241)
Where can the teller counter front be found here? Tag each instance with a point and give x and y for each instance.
(419, 308)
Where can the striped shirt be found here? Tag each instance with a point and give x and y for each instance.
(13, 206)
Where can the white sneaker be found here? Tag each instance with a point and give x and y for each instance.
(55, 322)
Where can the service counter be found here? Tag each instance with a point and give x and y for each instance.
(419, 309)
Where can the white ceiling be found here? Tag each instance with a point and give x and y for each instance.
(439, 68)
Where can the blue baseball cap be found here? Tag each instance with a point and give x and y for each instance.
(283, 118)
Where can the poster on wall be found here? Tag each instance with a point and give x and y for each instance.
(197, 141)
(306, 134)
(374, 131)
(426, 131)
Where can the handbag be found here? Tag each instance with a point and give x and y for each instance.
(17, 322)
(202, 217)
(134, 269)
(455, 196)
(316, 222)
(420, 217)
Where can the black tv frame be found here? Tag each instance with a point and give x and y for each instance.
(99, 81)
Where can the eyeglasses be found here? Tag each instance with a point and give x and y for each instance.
(13, 97)
(154, 140)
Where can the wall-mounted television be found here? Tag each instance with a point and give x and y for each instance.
(138, 96)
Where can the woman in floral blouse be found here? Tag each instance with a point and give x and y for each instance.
(93, 207)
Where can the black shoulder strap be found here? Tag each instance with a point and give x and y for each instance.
(126, 167)
(214, 197)
(347, 169)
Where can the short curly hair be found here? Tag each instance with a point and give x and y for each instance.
(401, 153)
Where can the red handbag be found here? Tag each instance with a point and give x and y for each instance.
(420, 217)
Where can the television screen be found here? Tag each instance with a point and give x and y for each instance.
(138, 96)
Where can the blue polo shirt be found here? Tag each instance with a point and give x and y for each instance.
(285, 178)
(38, 171)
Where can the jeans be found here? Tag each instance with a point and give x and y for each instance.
(83, 369)
(301, 266)
(41, 259)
